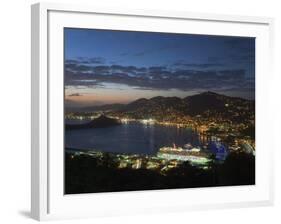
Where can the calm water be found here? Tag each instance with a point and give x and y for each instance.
(130, 138)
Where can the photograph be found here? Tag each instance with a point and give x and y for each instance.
(157, 110)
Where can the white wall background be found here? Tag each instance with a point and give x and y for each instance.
(15, 110)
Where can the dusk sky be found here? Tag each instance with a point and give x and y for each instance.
(104, 67)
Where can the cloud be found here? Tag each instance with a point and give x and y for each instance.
(74, 94)
(198, 65)
(156, 77)
(86, 60)
(244, 57)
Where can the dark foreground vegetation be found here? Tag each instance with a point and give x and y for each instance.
(85, 174)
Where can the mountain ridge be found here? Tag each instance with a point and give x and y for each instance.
(205, 103)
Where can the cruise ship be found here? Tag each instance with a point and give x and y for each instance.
(194, 155)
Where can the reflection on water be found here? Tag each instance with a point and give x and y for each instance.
(130, 138)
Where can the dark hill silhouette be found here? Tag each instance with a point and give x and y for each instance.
(100, 122)
(157, 107)
(159, 101)
(210, 101)
(207, 102)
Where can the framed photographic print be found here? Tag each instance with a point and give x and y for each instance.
(148, 111)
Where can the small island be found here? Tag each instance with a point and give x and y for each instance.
(101, 122)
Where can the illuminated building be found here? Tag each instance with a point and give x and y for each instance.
(194, 155)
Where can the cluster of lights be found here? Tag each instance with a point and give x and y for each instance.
(148, 121)
(180, 157)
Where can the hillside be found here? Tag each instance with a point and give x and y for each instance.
(207, 104)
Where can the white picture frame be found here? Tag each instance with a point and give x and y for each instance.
(47, 198)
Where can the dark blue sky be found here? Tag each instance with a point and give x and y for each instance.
(103, 66)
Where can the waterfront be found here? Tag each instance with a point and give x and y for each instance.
(115, 152)
(131, 138)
